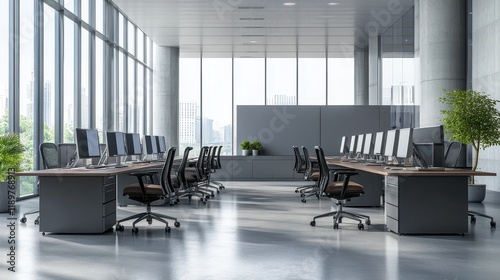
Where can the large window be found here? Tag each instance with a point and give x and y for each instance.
(69, 80)
(340, 81)
(189, 103)
(27, 92)
(281, 81)
(312, 81)
(49, 27)
(4, 67)
(216, 118)
(73, 66)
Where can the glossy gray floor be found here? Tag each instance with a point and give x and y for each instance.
(253, 230)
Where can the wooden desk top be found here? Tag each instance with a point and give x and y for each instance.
(406, 171)
(82, 171)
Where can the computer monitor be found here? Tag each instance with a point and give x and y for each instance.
(343, 146)
(133, 142)
(430, 134)
(352, 146)
(359, 146)
(368, 147)
(379, 141)
(150, 143)
(115, 141)
(405, 143)
(160, 143)
(87, 143)
(391, 144)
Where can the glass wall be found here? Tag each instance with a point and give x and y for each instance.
(398, 72)
(229, 82)
(73, 65)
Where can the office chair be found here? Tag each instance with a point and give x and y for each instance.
(195, 177)
(146, 193)
(341, 191)
(216, 165)
(299, 167)
(48, 152)
(451, 158)
(310, 174)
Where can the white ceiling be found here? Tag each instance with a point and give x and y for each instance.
(252, 28)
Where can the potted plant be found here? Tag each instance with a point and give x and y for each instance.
(11, 155)
(256, 147)
(472, 118)
(245, 147)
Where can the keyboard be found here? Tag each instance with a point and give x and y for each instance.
(434, 168)
(95, 166)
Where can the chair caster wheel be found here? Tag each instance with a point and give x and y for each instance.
(340, 220)
(493, 224)
(473, 219)
(208, 196)
(135, 230)
(177, 224)
(201, 199)
(119, 228)
(167, 229)
(37, 222)
(313, 223)
(296, 191)
(177, 200)
(303, 200)
(368, 222)
(302, 195)
(361, 226)
(335, 226)
(43, 233)
(23, 220)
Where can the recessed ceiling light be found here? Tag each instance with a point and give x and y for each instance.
(333, 4)
(253, 41)
(289, 4)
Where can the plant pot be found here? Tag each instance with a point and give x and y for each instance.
(245, 152)
(477, 193)
(4, 197)
(255, 152)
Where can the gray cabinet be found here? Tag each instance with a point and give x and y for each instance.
(77, 204)
(426, 204)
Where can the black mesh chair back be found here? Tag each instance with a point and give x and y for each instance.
(299, 163)
(323, 168)
(219, 166)
(200, 163)
(49, 154)
(166, 179)
(452, 154)
(181, 176)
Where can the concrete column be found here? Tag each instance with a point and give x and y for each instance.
(361, 77)
(374, 91)
(442, 50)
(166, 94)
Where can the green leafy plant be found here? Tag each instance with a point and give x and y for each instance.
(256, 145)
(245, 145)
(11, 154)
(472, 118)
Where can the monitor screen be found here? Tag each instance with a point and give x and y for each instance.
(87, 143)
(353, 144)
(379, 140)
(390, 143)
(343, 145)
(431, 134)
(160, 143)
(359, 146)
(115, 142)
(133, 142)
(150, 143)
(405, 143)
(367, 150)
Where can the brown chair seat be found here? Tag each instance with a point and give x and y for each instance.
(334, 189)
(314, 176)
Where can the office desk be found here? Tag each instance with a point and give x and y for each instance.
(423, 202)
(80, 200)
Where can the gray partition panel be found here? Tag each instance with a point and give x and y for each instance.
(338, 121)
(278, 128)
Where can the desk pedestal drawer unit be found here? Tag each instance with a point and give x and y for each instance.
(426, 205)
(77, 204)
